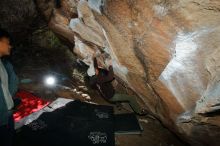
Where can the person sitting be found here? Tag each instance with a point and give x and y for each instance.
(103, 81)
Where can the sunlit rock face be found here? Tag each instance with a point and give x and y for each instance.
(167, 51)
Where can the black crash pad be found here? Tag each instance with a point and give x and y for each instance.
(77, 123)
(127, 124)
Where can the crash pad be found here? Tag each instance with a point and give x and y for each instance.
(30, 103)
(77, 123)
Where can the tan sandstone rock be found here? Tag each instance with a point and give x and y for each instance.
(167, 51)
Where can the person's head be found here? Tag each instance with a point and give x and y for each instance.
(58, 4)
(5, 46)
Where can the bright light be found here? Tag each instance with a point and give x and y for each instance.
(50, 81)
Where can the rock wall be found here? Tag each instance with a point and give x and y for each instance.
(167, 51)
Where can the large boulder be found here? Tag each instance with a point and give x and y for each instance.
(167, 51)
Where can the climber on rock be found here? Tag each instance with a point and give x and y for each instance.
(8, 88)
(103, 79)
